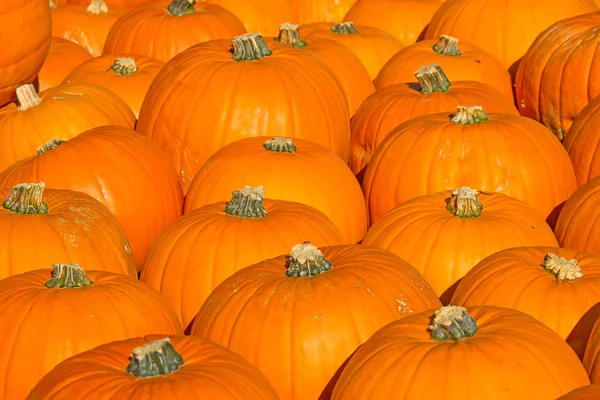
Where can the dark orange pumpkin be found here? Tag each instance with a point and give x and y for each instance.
(126, 4)
(591, 359)
(582, 142)
(590, 392)
(64, 56)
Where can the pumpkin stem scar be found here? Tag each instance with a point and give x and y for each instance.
(447, 46)
(50, 145)
(452, 323)
(97, 7)
(464, 203)
(561, 268)
(68, 276)
(432, 79)
(247, 203)
(179, 8)
(290, 34)
(306, 260)
(154, 359)
(27, 97)
(249, 47)
(345, 28)
(26, 198)
(280, 145)
(467, 115)
(124, 66)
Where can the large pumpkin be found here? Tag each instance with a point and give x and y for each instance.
(591, 358)
(582, 142)
(172, 367)
(64, 56)
(127, 4)
(49, 317)
(247, 93)
(487, 352)
(497, 152)
(64, 225)
(162, 29)
(120, 168)
(298, 317)
(289, 169)
(590, 392)
(192, 256)
(61, 113)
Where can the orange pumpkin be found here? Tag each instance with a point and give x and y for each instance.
(387, 108)
(121, 169)
(64, 56)
(129, 77)
(162, 29)
(557, 286)
(87, 26)
(461, 62)
(247, 93)
(25, 41)
(556, 79)
(63, 224)
(591, 358)
(346, 66)
(293, 170)
(298, 317)
(172, 367)
(497, 152)
(126, 4)
(308, 11)
(372, 46)
(590, 392)
(582, 142)
(67, 312)
(190, 258)
(62, 112)
(503, 353)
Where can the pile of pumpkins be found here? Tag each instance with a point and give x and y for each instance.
(300, 200)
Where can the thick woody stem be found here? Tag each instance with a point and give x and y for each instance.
(27, 97)
(249, 47)
(124, 66)
(280, 145)
(464, 203)
(447, 46)
(432, 79)
(452, 323)
(345, 28)
(50, 145)
(290, 34)
(154, 359)
(467, 115)
(97, 7)
(561, 268)
(27, 198)
(68, 276)
(179, 8)
(247, 203)
(306, 260)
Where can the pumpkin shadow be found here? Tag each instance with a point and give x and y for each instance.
(553, 217)
(328, 391)
(446, 297)
(580, 335)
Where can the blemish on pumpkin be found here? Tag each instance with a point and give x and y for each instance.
(403, 306)
(318, 317)
(370, 292)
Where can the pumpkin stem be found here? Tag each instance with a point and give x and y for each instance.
(561, 268)
(452, 323)
(179, 8)
(26, 198)
(464, 203)
(290, 34)
(345, 28)
(68, 276)
(247, 203)
(250, 47)
(124, 66)
(53, 4)
(27, 97)
(48, 146)
(432, 79)
(154, 359)
(467, 115)
(306, 260)
(97, 7)
(280, 145)
(447, 46)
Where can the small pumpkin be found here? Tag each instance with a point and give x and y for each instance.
(64, 56)
(590, 392)
(582, 142)
(314, 307)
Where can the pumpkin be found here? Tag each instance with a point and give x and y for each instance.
(446, 234)
(591, 360)
(582, 142)
(497, 152)
(403, 19)
(25, 41)
(590, 392)
(87, 26)
(247, 93)
(555, 79)
(346, 66)
(190, 258)
(557, 286)
(128, 77)
(387, 108)
(121, 169)
(461, 62)
(298, 317)
(64, 56)
(167, 367)
(289, 169)
(67, 312)
(502, 352)
(372, 46)
(126, 4)
(163, 29)
(308, 11)
(62, 112)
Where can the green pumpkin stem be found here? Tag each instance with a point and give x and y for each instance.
(345, 28)
(447, 46)
(467, 115)
(249, 47)
(464, 203)
(306, 260)
(247, 203)
(561, 268)
(68, 276)
(27, 97)
(290, 34)
(97, 7)
(280, 145)
(26, 198)
(452, 323)
(124, 66)
(50, 145)
(154, 359)
(432, 79)
(179, 8)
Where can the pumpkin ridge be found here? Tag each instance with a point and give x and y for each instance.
(124, 66)
(306, 260)
(179, 8)
(447, 46)
(467, 115)
(27, 97)
(68, 276)
(432, 79)
(452, 323)
(247, 203)
(344, 28)
(26, 198)
(249, 47)
(561, 268)
(464, 203)
(154, 359)
(49, 146)
(290, 34)
(97, 7)
(280, 145)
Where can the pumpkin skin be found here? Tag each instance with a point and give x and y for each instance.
(125, 4)
(503, 28)
(190, 258)
(590, 392)
(509, 351)
(240, 99)
(517, 278)
(370, 288)
(591, 360)
(309, 11)
(22, 54)
(121, 169)
(60, 322)
(152, 31)
(506, 153)
(372, 46)
(582, 141)
(461, 61)
(555, 79)
(129, 77)
(220, 373)
(62, 113)
(293, 176)
(64, 56)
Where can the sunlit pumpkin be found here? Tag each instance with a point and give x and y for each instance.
(582, 142)
(64, 56)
